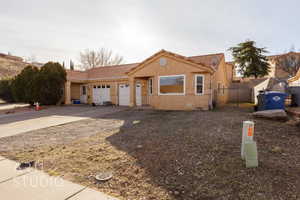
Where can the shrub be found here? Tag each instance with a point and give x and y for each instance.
(51, 80)
(5, 90)
(24, 85)
(44, 86)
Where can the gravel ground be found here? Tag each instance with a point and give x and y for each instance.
(168, 155)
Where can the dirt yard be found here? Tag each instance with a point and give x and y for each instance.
(168, 155)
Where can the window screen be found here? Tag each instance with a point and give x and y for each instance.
(199, 84)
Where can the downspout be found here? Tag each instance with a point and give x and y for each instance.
(117, 93)
(211, 93)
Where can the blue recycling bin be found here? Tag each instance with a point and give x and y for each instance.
(271, 100)
(76, 101)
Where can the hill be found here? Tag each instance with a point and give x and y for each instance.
(10, 65)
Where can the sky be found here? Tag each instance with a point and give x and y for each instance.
(57, 30)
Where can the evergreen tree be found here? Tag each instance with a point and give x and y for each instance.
(250, 59)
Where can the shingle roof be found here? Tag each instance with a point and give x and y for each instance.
(194, 60)
(117, 71)
(76, 75)
(280, 55)
(106, 72)
(208, 60)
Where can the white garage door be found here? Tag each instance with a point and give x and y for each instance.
(124, 95)
(101, 94)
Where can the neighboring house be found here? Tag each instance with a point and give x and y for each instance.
(164, 81)
(276, 80)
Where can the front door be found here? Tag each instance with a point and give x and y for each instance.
(83, 94)
(138, 94)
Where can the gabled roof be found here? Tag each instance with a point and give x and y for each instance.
(194, 62)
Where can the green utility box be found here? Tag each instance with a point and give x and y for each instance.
(251, 154)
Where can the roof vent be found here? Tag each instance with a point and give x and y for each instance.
(162, 62)
(214, 62)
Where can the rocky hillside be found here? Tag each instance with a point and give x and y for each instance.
(10, 65)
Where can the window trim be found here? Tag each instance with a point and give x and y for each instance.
(203, 83)
(163, 94)
(150, 87)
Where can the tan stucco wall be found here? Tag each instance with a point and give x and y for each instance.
(220, 76)
(176, 102)
(229, 72)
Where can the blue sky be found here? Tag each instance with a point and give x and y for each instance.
(58, 30)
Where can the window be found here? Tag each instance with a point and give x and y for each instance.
(103, 86)
(199, 84)
(107, 86)
(221, 89)
(150, 86)
(172, 85)
(83, 90)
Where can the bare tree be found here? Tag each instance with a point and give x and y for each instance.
(97, 58)
(31, 59)
(289, 63)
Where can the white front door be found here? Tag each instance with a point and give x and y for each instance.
(101, 94)
(124, 95)
(83, 94)
(138, 94)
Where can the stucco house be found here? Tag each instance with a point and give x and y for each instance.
(163, 81)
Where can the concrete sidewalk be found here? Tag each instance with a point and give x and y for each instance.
(31, 184)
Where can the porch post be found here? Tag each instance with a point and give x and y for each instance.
(68, 92)
(132, 91)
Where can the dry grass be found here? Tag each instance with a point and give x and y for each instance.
(179, 155)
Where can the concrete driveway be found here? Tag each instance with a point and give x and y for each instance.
(13, 124)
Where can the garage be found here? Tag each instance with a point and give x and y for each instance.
(124, 95)
(101, 94)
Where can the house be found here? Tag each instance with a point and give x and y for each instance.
(164, 81)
